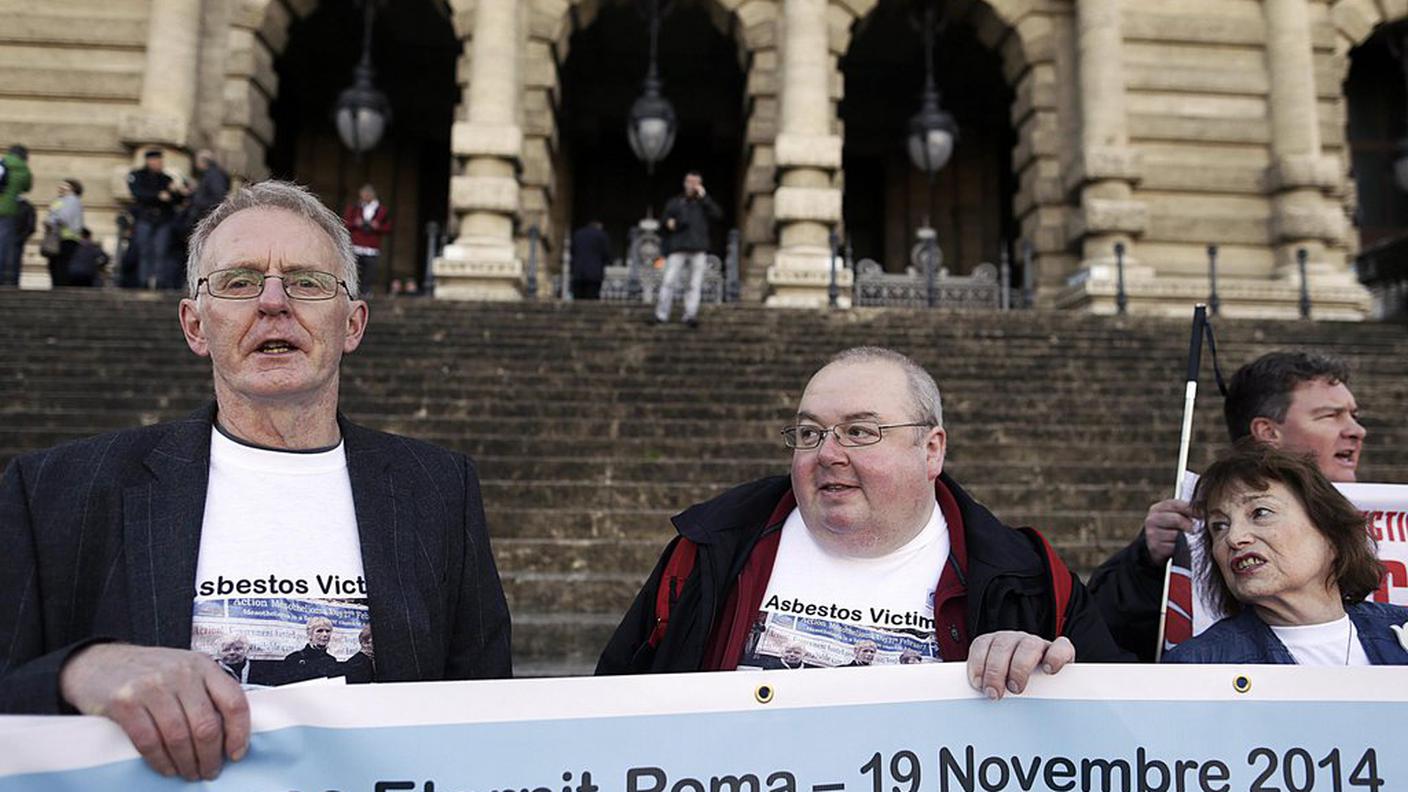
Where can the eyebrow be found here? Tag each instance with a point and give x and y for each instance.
(1253, 496)
(263, 266)
(1334, 409)
(855, 416)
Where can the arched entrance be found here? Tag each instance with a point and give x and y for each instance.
(1371, 52)
(1378, 120)
(414, 51)
(887, 200)
(699, 64)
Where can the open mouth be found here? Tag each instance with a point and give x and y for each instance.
(1348, 456)
(834, 488)
(1247, 563)
(276, 347)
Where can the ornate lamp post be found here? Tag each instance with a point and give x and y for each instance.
(362, 113)
(932, 134)
(651, 126)
(932, 131)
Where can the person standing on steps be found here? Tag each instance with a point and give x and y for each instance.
(686, 220)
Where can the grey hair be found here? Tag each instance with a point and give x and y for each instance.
(284, 196)
(922, 387)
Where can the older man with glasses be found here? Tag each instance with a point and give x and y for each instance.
(867, 544)
(265, 512)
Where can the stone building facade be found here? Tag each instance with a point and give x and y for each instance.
(1161, 126)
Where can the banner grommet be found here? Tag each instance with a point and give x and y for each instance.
(763, 694)
(1242, 683)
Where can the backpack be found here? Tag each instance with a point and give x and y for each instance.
(684, 554)
(26, 220)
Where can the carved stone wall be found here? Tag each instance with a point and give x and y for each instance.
(1163, 126)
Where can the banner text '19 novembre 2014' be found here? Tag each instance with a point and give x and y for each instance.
(892, 729)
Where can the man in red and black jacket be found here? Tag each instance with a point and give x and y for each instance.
(867, 543)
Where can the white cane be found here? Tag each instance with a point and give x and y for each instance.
(1190, 397)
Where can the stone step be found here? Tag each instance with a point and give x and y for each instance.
(554, 592)
(957, 407)
(615, 471)
(1380, 456)
(640, 495)
(573, 640)
(1108, 527)
(764, 344)
(667, 421)
(452, 326)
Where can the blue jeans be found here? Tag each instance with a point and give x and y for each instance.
(9, 252)
(674, 270)
(157, 268)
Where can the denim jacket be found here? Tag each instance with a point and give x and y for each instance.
(1245, 638)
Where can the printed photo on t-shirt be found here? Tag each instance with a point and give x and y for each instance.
(265, 641)
(784, 640)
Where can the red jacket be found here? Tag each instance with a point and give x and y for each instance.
(364, 234)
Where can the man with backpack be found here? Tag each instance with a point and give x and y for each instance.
(866, 544)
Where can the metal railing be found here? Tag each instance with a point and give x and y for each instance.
(915, 289)
(1383, 269)
(637, 279)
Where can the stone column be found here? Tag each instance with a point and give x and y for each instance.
(1299, 175)
(806, 205)
(1106, 168)
(168, 104)
(481, 263)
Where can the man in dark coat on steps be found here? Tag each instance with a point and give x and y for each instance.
(591, 251)
(128, 556)
(866, 554)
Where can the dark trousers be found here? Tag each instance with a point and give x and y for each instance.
(586, 289)
(58, 264)
(366, 274)
(158, 264)
(9, 251)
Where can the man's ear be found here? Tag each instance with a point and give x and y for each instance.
(194, 329)
(356, 326)
(935, 447)
(1266, 430)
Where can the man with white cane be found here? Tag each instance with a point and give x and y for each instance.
(1292, 400)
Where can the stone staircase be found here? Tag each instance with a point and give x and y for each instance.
(590, 428)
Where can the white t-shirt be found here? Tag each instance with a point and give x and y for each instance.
(822, 610)
(280, 553)
(1333, 643)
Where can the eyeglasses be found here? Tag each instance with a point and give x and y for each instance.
(241, 283)
(851, 434)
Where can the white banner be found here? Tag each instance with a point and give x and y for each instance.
(1121, 728)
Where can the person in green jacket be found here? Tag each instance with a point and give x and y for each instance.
(15, 180)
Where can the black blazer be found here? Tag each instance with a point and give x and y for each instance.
(99, 537)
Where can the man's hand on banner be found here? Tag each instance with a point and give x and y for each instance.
(1165, 521)
(182, 713)
(1004, 661)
